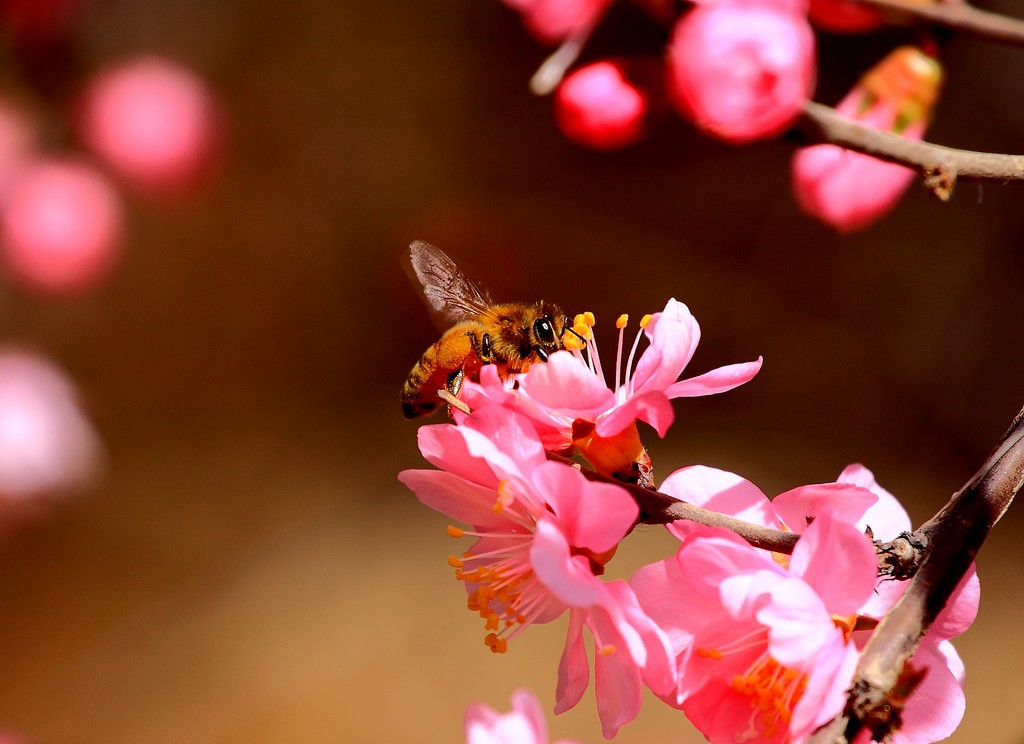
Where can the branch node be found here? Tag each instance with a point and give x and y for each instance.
(899, 558)
(940, 180)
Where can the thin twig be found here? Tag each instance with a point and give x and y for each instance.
(960, 16)
(660, 508)
(941, 166)
(955, 535)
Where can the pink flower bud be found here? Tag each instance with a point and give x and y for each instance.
(598, 106)
(152, 120)
(553, 20)
(741, 71)
(847, 190)
(844, 16)
(46, 443)
(61, 226)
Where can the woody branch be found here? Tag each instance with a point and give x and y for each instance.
(941, 166)
(954, 536)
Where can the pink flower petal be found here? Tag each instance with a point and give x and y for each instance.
(673, 335)
(846, 503)
(566, 384)
(573, 668)
(457, 497)
(568, 577)
(717, 380)
(722, 492)
(595, 516)
(838, 562)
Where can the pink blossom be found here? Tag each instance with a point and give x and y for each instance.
(728, 493)
(544, 533)
(935, 708)
(844, 16)
(61, 226)
(47, 445)
(152, 120)
(599, 106)
(554, 20)
(764, 651)
(848, 190)
(524, 724)
(571, 404)
(742, 71)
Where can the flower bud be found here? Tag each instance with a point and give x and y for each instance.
(152, 120)
(848, 190)
(553, 20)
(61, 226)
(599, 106)
(741, 71)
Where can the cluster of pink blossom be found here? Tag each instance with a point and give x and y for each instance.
(748, 644)
(147, 120)
(741, 70)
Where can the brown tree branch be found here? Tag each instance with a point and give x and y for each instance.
(960, 16)
(941, 166)
(954, 535)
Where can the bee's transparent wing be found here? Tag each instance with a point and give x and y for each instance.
(451, 295)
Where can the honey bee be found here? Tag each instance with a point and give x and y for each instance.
(512, 335)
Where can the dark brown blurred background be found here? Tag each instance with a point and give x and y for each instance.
(251, 571)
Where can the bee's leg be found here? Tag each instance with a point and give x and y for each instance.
(454, 382)
(485, 348)
(541, 354)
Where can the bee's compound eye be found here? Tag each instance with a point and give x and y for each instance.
(545, 330)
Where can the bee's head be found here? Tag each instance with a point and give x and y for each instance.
(547, 330)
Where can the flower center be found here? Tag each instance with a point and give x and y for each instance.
(773, 689)
(502, 587)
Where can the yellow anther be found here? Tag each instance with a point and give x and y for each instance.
(589, 318)
(621, 321)
(645, 320)
(579, 320)
(454, 531)
(573, 342)
(455, 562)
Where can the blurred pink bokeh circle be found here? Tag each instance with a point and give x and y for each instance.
(152, 120)
(62, 226)
(47, 445)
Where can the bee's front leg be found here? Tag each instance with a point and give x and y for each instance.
(454, 382)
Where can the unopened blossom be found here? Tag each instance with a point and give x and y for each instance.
(600, 106)
(554, 20)
(765, 651)
(844, 16)
(936, 706)
(848, 190)
(741, 71)
(543, 535)
(152, 120)
(47, 445)
(524, 724)
(62, 226)
(573, 406)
